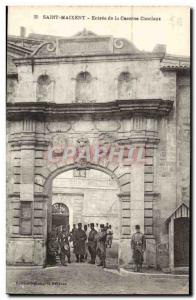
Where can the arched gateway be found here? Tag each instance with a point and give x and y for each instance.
(124, 138)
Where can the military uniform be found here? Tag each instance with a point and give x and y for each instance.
(109, 237)
(53, 248)
(63, 239)
(80, 238)
(101, 245)
(138, 245)
(92, 244)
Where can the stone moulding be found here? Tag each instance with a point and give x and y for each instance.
(87, 58)
(38, 110)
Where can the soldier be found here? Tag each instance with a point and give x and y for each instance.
(101, 245)
(109, 236)
(86, 242)
(63, 239)
(107, 226)
(53, 249)
(80, 238)
(92, 243)
(72, 238)
(138, 245)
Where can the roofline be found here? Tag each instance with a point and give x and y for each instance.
(182, 203)
(176, 56)
(89, 57)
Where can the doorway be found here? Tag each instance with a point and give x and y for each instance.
(181, 242)
(60, 215)
(86, 196)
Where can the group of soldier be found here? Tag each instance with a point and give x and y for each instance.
(89, 240)
(93, 241)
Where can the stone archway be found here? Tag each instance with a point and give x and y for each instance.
(48, 191)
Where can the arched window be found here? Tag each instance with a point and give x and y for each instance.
(60, 208)
(83, 92)
(43, 91)
(124, 86)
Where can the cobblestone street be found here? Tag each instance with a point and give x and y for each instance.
(90, 279)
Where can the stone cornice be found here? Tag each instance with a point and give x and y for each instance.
(87, 58)
(154, 108)
(175, 63)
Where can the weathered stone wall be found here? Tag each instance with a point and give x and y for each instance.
(147, 81)
(183, 139)
(12, 86)
(149, 192)
(172, 164)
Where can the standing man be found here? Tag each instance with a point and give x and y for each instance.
(101, 245)
(86, 242)
(97, 227)
(138, 245)
(92, 243)
(107, 226)
(53, 248)
(109, 236)
(63, 239)
(80, 238)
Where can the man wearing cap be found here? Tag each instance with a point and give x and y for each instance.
(92, 243)
(101, 245)
(63, 239)
(80, 238)
(138, 245)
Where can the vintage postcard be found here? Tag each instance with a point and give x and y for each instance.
(98, 150)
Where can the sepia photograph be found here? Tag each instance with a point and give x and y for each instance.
(98, 150)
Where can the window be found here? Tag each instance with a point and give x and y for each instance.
(84, 91)
(43, 91)
(124, 86)
(79, 173)
(26, 218)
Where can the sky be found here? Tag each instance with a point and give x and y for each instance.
(173, 28)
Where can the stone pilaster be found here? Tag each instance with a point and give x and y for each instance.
(124, 249)
(137, 196)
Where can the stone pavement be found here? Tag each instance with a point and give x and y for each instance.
(84, 278)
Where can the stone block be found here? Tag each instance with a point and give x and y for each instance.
(125, 221)
(148, 187)
(25, 251)
(126, 230)
(16, 213)
(148, 222)
(126, 213)
(38, 188)
(148, 230)
(16, 221)
(148, 213)
(15, 205)
(38, 205)
(125, 205)
(148, 177)
(148, 170)
(149, 152)
(150, 253)
(148, 204)
(148, 161)
(38, 221)
(125, 179)
(26, 192)
(39, 154)
(38, 230)
(125, 188)
(125, 253)
(38, 213)
(15, 229)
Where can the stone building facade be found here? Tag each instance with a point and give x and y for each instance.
(96, 92)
